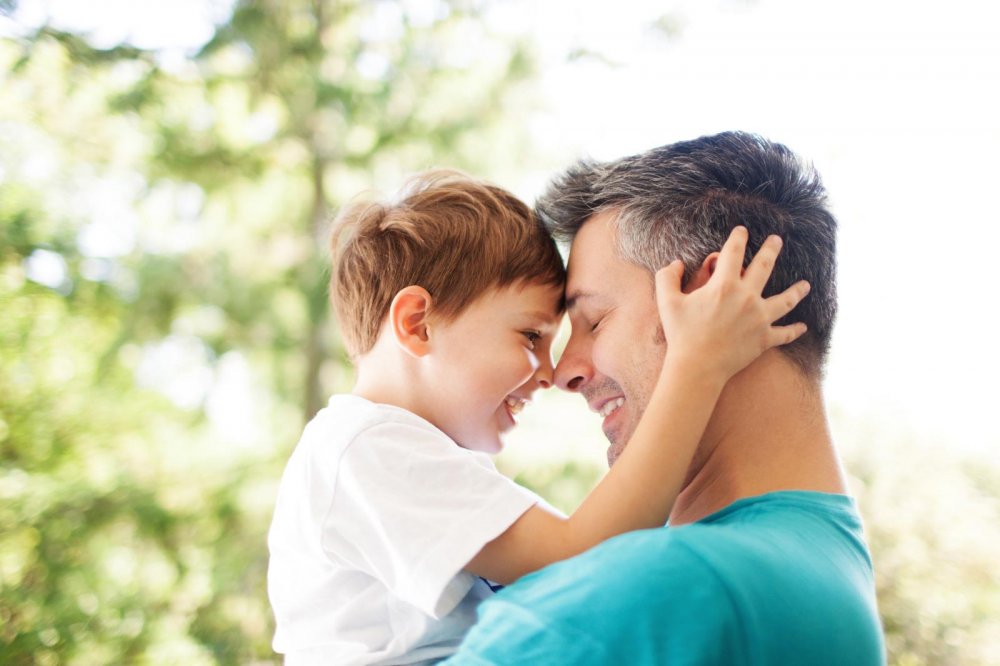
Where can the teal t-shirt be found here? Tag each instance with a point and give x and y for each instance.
(784, 578)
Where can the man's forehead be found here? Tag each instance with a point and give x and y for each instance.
(592, 256)
(597, 275)
(579, 287)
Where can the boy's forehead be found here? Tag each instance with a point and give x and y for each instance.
(544, 302)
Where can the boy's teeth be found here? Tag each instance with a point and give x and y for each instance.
(610, 406)
(515, 405)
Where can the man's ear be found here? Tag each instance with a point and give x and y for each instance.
(703, 273)
(408, 318)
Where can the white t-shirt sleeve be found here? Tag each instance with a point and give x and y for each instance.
(412, 508)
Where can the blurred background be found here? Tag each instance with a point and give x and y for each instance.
(167, 175)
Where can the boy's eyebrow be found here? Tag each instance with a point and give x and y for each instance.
(539, 315)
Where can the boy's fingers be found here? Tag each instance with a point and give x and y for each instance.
(781, 304)
(782, 335)
(730, 260)
(668, 280)
(760, 267)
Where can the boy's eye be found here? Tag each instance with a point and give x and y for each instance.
(532, 337)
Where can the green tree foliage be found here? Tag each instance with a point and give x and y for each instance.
(162, 228)
(930, 517)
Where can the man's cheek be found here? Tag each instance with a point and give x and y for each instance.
(603, 360)
(659, 338)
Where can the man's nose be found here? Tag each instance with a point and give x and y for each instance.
(574, 368)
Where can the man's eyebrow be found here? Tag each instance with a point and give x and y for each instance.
(574, 297)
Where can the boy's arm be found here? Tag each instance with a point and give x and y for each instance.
(713, 333)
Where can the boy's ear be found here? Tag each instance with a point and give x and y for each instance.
(408, 315)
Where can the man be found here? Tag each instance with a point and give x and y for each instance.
(763, 561)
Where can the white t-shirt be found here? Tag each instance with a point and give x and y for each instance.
(377, 513)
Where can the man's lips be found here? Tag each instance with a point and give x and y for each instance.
(607, 406)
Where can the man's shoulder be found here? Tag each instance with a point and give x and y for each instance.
(645, 597)
(741, 555)
(706, 593)
(643, 569)
(712, 552)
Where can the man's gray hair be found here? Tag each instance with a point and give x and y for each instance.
(681, 201)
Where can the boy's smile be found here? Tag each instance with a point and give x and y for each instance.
(515, 405)
(485, 364)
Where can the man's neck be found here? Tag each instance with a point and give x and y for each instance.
(768, 433)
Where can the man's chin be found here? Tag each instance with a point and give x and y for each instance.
(618, 429)
(614, 450)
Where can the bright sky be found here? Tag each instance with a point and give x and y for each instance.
(897, 103)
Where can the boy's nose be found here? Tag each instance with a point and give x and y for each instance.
(544, 373)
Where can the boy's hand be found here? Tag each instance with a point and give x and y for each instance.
(726, 324)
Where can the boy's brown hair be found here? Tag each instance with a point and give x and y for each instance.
(455, 236)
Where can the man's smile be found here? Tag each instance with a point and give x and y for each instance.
(609, 406)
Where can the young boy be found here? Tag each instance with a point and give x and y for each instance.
(390, 518)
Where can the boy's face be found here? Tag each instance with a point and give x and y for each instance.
(486, 363)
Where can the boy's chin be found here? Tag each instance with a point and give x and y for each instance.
(488, 445)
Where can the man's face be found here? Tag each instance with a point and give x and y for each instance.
(616, 349)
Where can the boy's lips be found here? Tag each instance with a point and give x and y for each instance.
(515, 404)
(512, 406)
